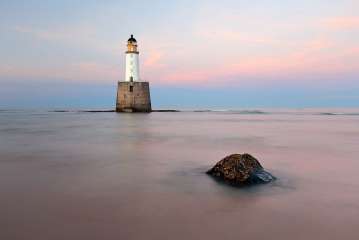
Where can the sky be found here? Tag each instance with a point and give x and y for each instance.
(195, 54)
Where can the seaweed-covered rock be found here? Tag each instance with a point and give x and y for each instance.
(240, 169)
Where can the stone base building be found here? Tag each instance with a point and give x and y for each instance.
(133, 97)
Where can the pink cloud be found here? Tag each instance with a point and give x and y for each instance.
(154, 60)
(313, 58)
(234, 36)
(207, 63)
(342, 22)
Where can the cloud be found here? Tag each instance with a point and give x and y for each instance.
(312, 58)
(81, 36)
(339, 23)
(213, 51)
(77, 72)
(154, 60)
(234, 36)
(56, 34)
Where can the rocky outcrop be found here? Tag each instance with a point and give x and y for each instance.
(240, 169)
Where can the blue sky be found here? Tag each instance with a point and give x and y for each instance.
(195, 54)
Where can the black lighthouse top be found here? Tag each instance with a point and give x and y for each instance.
(131, 39)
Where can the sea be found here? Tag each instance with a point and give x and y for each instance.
(83, 175)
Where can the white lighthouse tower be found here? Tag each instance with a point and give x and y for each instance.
(132, 62)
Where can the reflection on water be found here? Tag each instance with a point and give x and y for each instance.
(78, 175)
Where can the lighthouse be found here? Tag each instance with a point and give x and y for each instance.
(133, 95)
(132, 62)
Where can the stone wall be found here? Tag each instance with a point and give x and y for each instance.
(133, 97)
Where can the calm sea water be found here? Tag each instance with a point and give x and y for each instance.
(78, 175)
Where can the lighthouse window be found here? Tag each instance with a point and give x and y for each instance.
(131, 88)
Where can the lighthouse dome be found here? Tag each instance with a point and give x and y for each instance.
(131, 39)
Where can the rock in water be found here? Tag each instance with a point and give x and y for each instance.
(240, 169)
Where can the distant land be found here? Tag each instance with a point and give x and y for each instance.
(334, 112)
